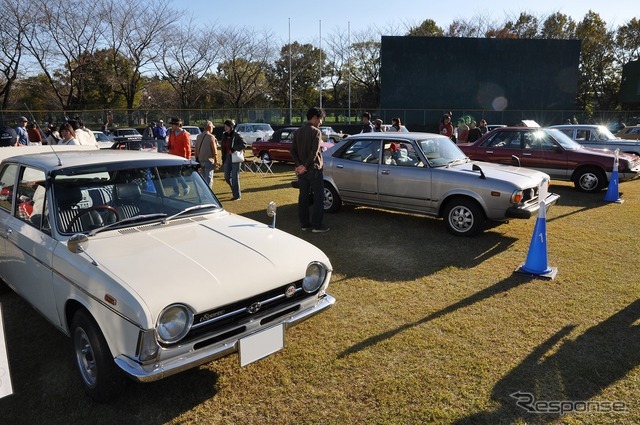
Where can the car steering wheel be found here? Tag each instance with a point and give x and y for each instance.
(94, 208)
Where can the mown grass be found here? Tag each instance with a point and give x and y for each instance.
(428, 328)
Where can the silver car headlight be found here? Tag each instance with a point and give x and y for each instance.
(174, 323)
(316, 273)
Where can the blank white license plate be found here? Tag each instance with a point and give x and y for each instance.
(262, 344)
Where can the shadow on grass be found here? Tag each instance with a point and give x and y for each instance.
(47, 388)
(388, 246)
(577, 370)
(570, 197)
(491, 291)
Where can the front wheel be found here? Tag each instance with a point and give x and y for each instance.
(332, 201)
(590, 180)
(101, 378)
(463, 217)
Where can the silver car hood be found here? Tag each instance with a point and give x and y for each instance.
(523, 177)
(217, 260)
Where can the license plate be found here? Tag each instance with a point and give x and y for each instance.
(262, 344)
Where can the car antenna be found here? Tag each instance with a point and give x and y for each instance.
(476, 167)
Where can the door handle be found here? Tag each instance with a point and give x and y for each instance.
(489, 151)
(526, 154)
(339, 166)
(385, 172)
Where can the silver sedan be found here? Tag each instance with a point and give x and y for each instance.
(428, 174)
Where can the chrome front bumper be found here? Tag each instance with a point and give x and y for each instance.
(171, 366)
(527, 211)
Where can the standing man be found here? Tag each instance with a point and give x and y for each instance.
(160, 134)
(231, 142)
(367, 127)
(307, 155)
(180, 145)
(207, 152)
(21, 131)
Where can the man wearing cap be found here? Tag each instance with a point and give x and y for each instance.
(21, 131)
(160, 134)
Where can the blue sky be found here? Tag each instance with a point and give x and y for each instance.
(309, 20)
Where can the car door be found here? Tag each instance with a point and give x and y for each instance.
(280, 150)
(355, 171)
(28, 246)
(403, 181)
(541, 152)
(500, 148)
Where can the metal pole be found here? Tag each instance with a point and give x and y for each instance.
(320, 82)
(349, 65)
(290, 89)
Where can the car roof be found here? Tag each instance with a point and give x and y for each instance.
(577, 126)
(394, 134)
(51, 161)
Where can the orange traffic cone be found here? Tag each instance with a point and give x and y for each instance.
(536, 264)
(612, 194)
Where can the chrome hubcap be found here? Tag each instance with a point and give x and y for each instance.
(85, 358)
(461, 219)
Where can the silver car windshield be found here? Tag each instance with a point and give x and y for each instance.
(440, 151)
(561, 138)
(603, 134)
(85, 200)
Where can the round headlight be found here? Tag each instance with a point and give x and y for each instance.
(174, 323)
(314, 277)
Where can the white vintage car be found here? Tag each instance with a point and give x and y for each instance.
(132, 256)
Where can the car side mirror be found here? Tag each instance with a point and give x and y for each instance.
(77, 243)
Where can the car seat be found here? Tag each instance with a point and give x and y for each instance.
(126, 199)
(68, 201)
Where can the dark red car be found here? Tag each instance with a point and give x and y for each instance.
(552, 152)
(278, 146)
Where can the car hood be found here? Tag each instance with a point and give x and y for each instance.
(523, 177)
(217, 260)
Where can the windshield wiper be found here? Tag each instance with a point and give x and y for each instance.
(457, 161)
(135, 218)
(186, 210)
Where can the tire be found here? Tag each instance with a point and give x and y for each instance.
(463, 217)
(332, 201)
(264, 156)
(590, 180)
(101, 378)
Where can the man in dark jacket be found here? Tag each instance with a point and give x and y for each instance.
(306, 152)
(367, 127)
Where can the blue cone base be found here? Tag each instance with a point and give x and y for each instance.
(612, 190)
(548, 274)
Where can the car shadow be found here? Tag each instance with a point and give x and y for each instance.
(570, 197)
(418, 245)
(47, 388)
(571, 371)
(498, 289)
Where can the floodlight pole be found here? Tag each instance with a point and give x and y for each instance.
(290, 92)
(320, 82)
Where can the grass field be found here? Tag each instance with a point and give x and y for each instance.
(428, 328)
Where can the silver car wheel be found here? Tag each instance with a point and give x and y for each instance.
(328, 199)
(461, 218)
(588, 182)
(85, 357)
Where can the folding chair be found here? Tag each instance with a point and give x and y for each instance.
(247, 166)
(259, 164)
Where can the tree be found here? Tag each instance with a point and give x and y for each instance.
(244, 56)
(365, 67)
(134, 33)
(62, 54)
(188, 53)
(598, 81)
(11, 42)
(428, 28)
(628, 41)
(558, 27)
(304, 76)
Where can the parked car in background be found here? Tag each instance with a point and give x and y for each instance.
(278, 146)
(129, 133)
(193, 133)
(147, 145)
(251, 132)
(114, 249)
(599, 137)
(330, 135)
(553, 152)
(629, 132)
(104, 141)
(427, 174)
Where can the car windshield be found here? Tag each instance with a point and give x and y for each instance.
(115, 197)
(561, 138)
(441, 151)
(262, 127)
